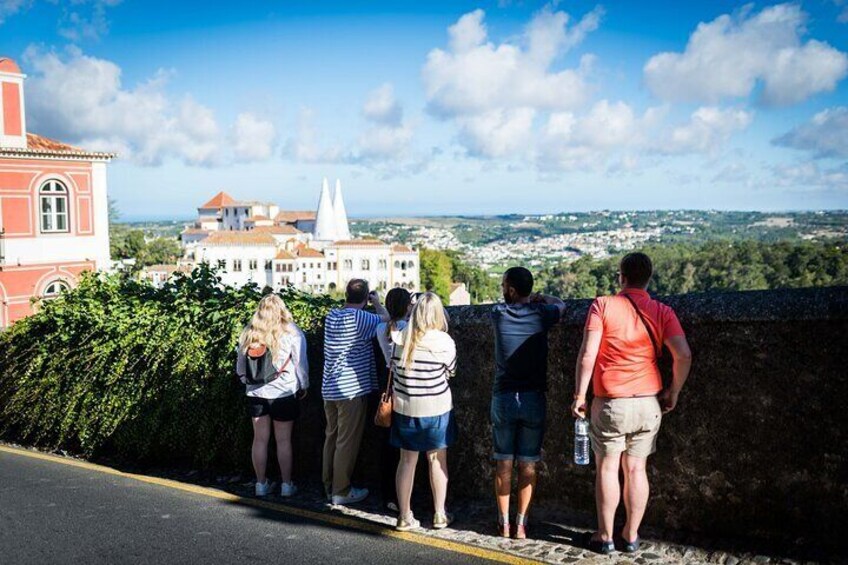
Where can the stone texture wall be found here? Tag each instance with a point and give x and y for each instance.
(758, 446)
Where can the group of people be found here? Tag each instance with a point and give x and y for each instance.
(406, 342)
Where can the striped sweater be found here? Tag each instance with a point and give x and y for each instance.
(421, 388)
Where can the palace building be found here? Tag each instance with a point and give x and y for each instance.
(54, 211)
(256, 242)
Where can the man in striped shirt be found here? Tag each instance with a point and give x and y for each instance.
(350, 375)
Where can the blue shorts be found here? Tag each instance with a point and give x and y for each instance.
(423, 434)
(518, 426)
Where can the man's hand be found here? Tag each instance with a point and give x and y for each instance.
(301, 394)
(373, 297)
(579, 407)
(668, 400)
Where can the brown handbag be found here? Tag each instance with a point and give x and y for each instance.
(383, 417)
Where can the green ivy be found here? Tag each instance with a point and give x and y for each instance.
(118, 367)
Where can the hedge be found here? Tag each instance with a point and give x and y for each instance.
(117, 367)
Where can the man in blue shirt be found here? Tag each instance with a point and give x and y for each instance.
(349, 376)
(518, 398)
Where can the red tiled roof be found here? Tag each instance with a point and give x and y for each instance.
(308, 252)
(277, 230)
(291, 216)
(258, 218)
(194, 231)
(398, 248)
(283, 255)
(219, 200)
(38, 145)
(7, 65)
(239, 238)
(358, 243)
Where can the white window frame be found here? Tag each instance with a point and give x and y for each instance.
(54, 192)
(54, 288)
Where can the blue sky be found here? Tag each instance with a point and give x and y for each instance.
(446, 107)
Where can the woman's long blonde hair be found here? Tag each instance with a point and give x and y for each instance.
(427, 314)
(271, 320)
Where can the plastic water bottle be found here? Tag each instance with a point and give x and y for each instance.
(581, 441)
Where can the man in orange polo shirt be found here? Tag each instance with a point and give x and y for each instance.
(622, 340)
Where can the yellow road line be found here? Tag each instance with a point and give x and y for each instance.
(335, 520)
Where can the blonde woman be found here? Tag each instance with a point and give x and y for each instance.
(424, 359)
(273, 366)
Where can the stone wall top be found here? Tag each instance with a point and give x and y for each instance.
(825, 303)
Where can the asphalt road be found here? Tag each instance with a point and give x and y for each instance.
(53, 513)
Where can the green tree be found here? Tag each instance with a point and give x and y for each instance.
(162, 250)
(436, 272)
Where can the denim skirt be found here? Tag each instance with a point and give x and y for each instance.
(423, 434)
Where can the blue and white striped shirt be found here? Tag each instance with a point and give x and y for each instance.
(349, 369)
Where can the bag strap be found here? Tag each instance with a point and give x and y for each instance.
(391, 378)
(657, 347)
(283, 368)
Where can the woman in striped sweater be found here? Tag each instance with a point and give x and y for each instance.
(424, 358)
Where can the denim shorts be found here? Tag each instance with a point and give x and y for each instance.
(423, 434)
(518, 425)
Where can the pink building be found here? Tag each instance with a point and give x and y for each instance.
(54, 219)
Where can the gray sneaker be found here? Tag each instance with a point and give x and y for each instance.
(442, 520)
(353, 496)
(404, 524)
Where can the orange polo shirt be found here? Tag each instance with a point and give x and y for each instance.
(626, 363)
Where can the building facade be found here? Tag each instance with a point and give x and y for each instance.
(312, 251)
(54, 210)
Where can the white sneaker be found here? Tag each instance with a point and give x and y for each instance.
(288, 489)
(353, 496)
(262, 489)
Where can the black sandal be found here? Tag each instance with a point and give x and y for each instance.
(601, 546)
(632, 546)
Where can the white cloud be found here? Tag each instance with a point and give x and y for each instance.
(12, 7)
(80, 99)
(728, 57)
(826, 135)
(608, 137)
(382, 106)
(500, 84)
(253, 138)
(706, 131)
(85, 19)
(499, 132)
(809, 175)
(305, 146)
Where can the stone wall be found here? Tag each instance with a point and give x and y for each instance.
(756, 448)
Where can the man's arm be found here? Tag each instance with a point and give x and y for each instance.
(682, 363)
(583, 372)
(552, 300)
(374, 299)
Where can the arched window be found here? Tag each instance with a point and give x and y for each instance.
(366, 265)
(53, 206)
(397, 264)
(403, 266)
(55, 288)
(410, 264)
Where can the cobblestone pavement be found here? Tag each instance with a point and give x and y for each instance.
(554, 537)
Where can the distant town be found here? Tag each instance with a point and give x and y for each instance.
(491, 242)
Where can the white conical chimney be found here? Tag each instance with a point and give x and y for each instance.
(342, 227)
(325, 217)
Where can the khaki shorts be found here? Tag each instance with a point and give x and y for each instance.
(625, 424)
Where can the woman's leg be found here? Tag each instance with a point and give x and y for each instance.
(438, 477)
(282, 434)
(259, 451)
(404, 479)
